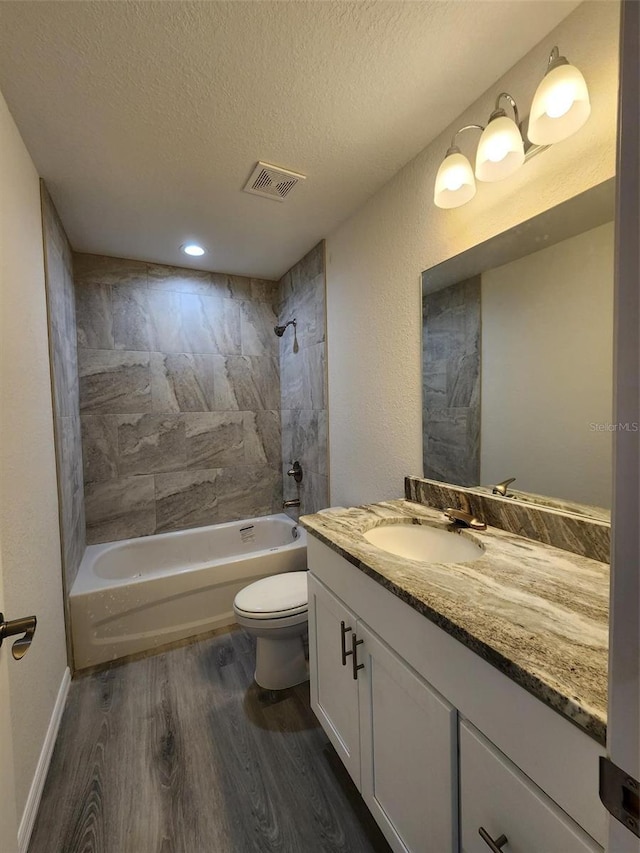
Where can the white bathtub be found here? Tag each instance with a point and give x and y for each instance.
(134, 595)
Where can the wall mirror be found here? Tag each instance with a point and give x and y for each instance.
(517, 359)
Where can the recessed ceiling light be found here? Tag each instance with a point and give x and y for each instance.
(192, 249)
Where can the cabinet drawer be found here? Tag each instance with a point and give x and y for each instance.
(496, 795)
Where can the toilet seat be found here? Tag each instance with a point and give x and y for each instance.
(276, 597)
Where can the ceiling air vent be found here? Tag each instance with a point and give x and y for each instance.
(272, 181)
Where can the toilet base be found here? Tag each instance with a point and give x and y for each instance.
(280, 663)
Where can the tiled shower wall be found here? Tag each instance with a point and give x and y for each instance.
(179, 397)
(451, 326)
(303, 380)
(64, 382)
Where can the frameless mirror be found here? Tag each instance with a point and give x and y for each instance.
(517, 359)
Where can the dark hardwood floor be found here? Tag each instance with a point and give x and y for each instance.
(183, 753)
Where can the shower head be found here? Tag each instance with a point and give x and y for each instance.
(279, 330)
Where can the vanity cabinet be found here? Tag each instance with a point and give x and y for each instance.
(438, 741)
(334, 692)
(394, 733)
(497, 798)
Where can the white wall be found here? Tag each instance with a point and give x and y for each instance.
(547, 370)
(375, 258)
(29, 532)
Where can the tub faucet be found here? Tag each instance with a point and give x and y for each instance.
(464, 514)
(501, 488)
(291, 503)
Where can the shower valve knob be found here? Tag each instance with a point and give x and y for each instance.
(296, 472)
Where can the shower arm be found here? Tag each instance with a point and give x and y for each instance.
(280, 330)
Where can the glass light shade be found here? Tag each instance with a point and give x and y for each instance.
(560, 106)
(455, 184)
(500, 150)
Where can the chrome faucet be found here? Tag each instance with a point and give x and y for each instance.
(501, 488)
(464, 514)
(291, 503)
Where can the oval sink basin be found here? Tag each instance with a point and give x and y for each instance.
(424, 543)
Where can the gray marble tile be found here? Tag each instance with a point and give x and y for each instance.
(100, 447)
(70, 480)
(186, 499)
(130, 310)
(451, 452)
(248, 491)
(94, 316)
(99, 269)
(73, 550)
(258, 321)
(210, 324)
(149, 444)
(145, 319)
(304, 437)
(312, 264)
(231, 286)
(307, 305)
(60, 297)
(120, 509)
(262, 439)
(314, 494)
(214, 439)
(182, 382)
(247, 383)
(285, 292)
(114, 382)
(263, 290)
(451, 382)
(302, 375)
(179, 279)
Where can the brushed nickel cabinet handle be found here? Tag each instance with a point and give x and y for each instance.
(26, 625)
(495, 846)
(354, 651)
(344, 630)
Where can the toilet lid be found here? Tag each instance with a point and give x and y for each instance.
(284, 594)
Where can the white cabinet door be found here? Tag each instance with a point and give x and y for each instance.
(334, 692)
(408, 752)
(498, 797)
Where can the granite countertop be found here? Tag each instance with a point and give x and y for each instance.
(537, 613)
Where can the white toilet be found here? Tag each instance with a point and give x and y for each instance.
(274, 610)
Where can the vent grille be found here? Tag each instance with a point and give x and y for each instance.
(272, 181)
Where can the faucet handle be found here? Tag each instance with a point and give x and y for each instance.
(296, 472)
(501, 488)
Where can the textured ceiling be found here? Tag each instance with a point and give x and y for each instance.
(146, 119)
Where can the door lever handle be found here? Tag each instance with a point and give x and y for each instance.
(26, 626)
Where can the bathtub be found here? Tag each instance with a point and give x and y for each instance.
(134, 595)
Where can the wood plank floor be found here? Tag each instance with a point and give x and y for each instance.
(183, 753)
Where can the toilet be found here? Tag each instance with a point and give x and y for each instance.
(274, 610)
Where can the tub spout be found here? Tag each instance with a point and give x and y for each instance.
(291, 503)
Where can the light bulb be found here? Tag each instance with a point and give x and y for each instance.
(455, 184)
(454, 178)
(559, 101)
(560, 105)
(500, 150)
(192, 249)
(497, 148)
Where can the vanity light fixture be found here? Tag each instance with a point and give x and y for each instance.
(455, 182)
(192, 249)
(560, 107)
(501, 148)
(561, 103)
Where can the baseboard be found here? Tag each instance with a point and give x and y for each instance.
(35, 792)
